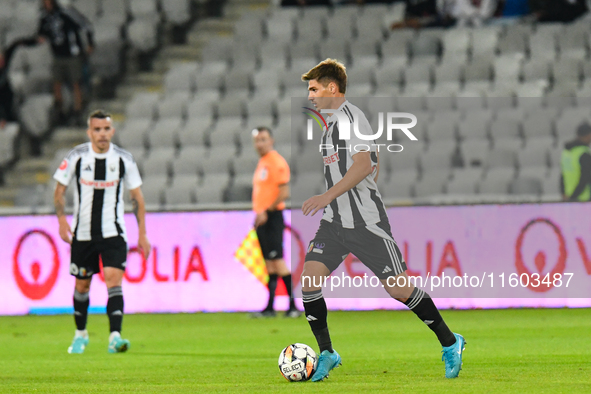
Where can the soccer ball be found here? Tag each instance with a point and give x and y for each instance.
(297, 362)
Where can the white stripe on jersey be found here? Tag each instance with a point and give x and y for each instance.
(98, 196)
(362, 205)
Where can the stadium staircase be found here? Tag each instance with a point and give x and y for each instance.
(25, 183)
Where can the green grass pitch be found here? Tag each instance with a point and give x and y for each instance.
(508, 351)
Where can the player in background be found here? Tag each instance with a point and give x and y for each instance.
(355, 221)
(270, 190)
(100, 170)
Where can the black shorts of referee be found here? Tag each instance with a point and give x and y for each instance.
(270, 235)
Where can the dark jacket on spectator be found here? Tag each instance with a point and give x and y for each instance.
(62, 28)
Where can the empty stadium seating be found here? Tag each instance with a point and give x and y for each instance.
(494, 104)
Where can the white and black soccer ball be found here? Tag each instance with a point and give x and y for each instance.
(297, 362)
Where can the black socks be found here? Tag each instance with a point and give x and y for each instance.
(115, 308)
(316, 312)
(81, 302)
(422, 305)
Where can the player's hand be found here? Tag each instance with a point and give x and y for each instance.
(65, 230)
(314, 204)
(260, 219)
(89, 50)
(144, 246)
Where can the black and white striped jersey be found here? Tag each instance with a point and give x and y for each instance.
(361, 206)
(98, 197)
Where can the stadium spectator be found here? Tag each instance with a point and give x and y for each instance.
(515, 8)
(6, 94)
(269, 192)
(354, 221)
(474, 13)
(576, 166)
(100, 169)
(558, 10)
(63, 30)
(290, 3)
(426, 13)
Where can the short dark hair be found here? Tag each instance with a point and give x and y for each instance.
(327, 71)
(98, 114)
(264, 128)
(583, 130)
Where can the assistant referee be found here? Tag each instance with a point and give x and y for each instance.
(269, 192)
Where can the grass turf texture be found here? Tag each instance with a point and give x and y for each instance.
(519, 351)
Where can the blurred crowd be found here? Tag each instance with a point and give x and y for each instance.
(443, 13)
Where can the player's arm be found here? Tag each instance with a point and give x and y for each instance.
(360, 168)
(282, 196)
(375, 179)
(59, 201)
(139, 210)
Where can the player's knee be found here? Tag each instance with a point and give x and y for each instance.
(82, 286)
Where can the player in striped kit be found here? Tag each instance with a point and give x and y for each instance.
(100, 170)
(355, 221)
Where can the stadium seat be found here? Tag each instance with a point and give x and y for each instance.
(397, 45)
(441, 128)
(164, 133)
(115, 11)
(464, 181)
(143, 33)
(439, 156)
(533, 155)
(456, 43)
(142, 106)
(399, 186)
(526, 186)
(477, 75)
(388, 79)
(212, 187)
(363, 55)
(193, 132)
(153, 187)
(189, 160)
(340, 26)
(244, 164)
(473, 152)
(538, 125)
(475, 125)
(431, 183)
(274, 56)
(203, 105)
(181, 192)
(500, 158)
(181, 77)
(418, 75)
(280, 30)
(505, 127)
(406, 160)
(35, 114)
(425, 49)
(306, 185)
(158, 162)
(231, 106)
(496, 181)
(173, 105)
(310, 29)
(7, 143)
(573, 42)
(177, 12)
(484, 42)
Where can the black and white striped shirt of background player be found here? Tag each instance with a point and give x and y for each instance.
(362, 206)
(98, 193)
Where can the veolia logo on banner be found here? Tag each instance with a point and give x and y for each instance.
(344, 127)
